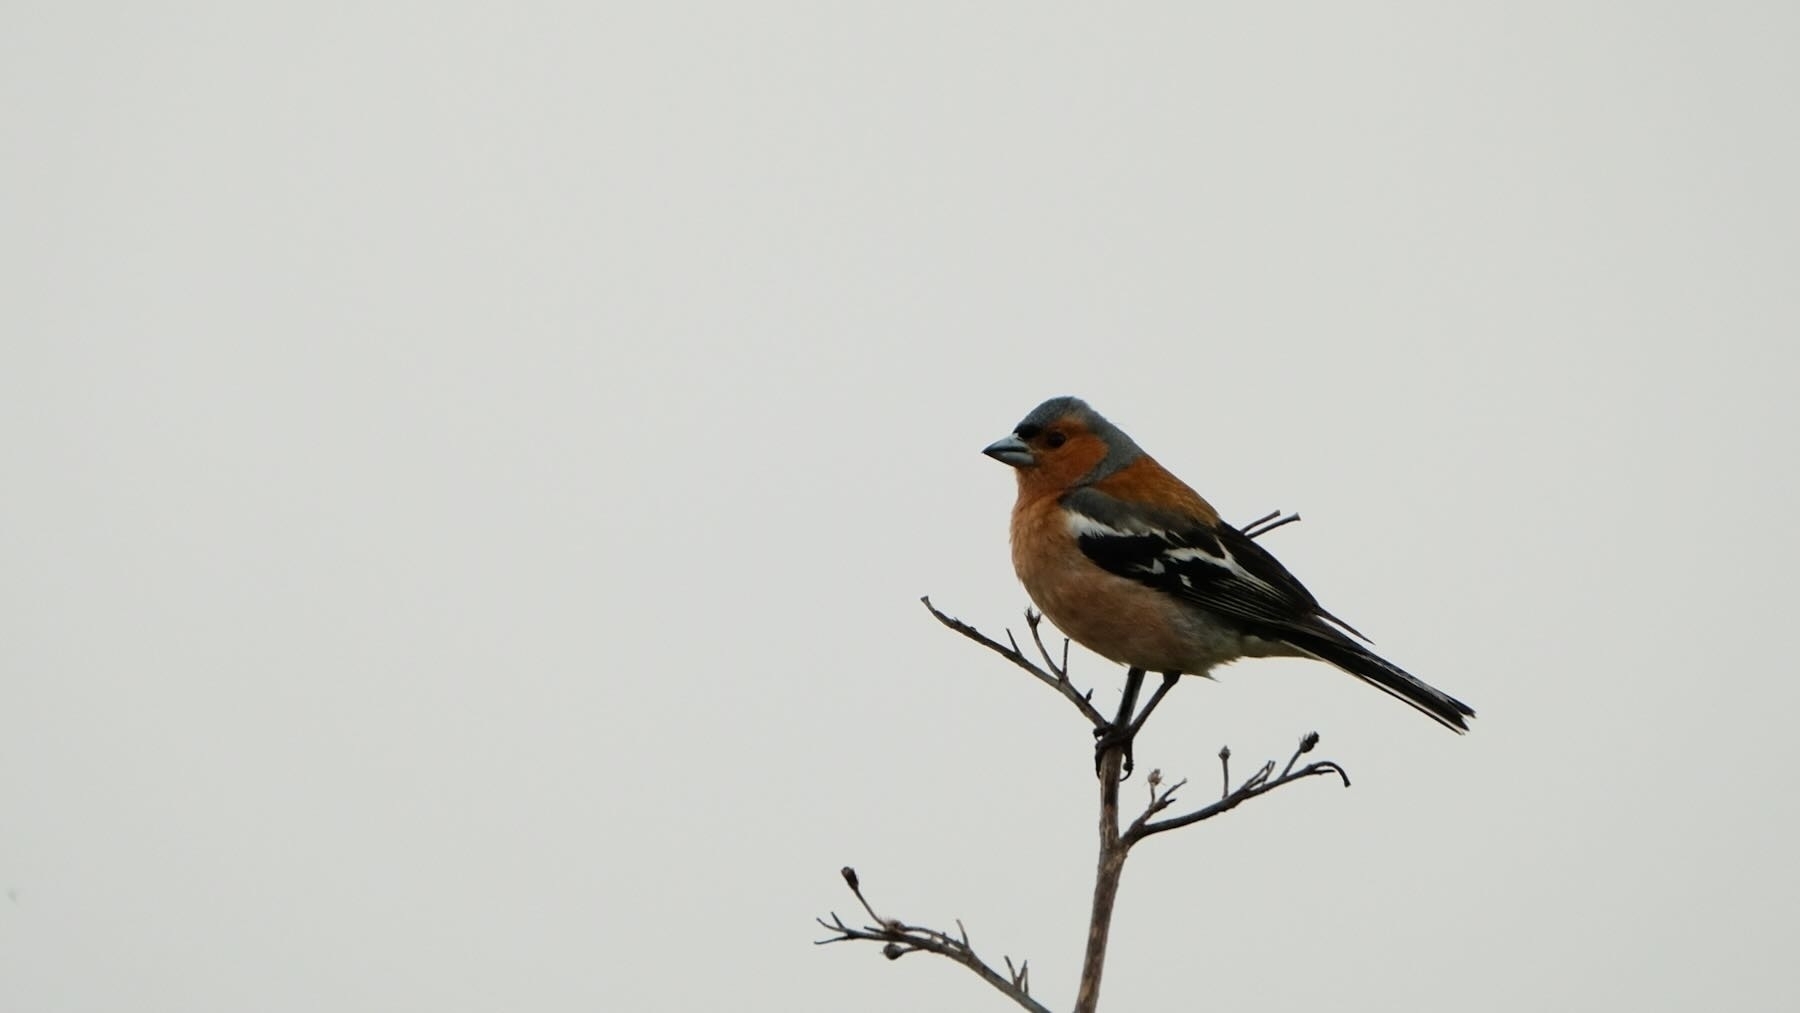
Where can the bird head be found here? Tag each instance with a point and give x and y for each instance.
(1063, 443)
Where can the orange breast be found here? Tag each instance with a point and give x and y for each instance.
(1115, 617)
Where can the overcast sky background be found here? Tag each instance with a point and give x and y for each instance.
(470, 472)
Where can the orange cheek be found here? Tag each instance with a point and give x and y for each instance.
(1059, 468)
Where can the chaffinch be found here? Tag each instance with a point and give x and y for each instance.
(1131, 563)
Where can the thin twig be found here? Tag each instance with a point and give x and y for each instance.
(1307, 742)
(855, 885)
(1259, 783)
(1267, 523)
(1032, 619)
(1159, 799)
(1021, 976)
(1013, 654)
(1264, 519)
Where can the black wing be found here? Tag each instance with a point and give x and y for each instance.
(1222, 570)
(1219, 569)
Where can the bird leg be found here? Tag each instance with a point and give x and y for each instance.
(1124, 728)
(1117, 734)
(1168, 683)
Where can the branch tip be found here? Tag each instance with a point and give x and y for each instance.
(1266, 523)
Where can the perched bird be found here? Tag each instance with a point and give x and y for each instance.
(1131, 563)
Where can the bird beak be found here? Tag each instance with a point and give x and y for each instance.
(1011, 451)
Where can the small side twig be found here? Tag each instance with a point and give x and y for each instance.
(1307, 742)
(1033, 618)
(899, 939)
(1021, 975)
(1266, 523)
(1160, 798)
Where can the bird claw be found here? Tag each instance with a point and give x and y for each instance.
(1113, 736)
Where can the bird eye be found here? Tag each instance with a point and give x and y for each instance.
(1054, 438)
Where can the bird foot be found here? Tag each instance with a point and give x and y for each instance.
(1114, 736)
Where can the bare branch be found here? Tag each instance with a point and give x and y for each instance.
(899, 939)
(1056, 679)
(1106, 881)
(1260, 783)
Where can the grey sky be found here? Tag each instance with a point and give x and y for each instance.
(470, 471)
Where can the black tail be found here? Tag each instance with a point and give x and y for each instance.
(1352, 657)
